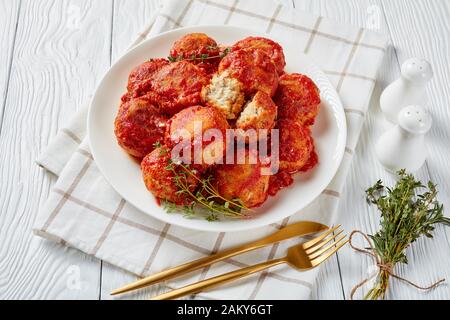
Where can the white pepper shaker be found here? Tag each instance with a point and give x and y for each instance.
(409, 89)
(403, 146)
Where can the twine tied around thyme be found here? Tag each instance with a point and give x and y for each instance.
(386, 267)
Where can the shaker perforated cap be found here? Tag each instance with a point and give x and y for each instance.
(415, 119)
(417, 70)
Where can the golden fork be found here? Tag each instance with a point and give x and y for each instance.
(294, 230)
(303, 257)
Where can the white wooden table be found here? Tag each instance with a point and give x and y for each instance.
(54, 52)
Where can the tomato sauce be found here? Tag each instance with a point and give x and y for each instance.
(279, 181)
(312, 162)
(284, 179)
(254, 68)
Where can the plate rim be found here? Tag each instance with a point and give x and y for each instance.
(310, 65)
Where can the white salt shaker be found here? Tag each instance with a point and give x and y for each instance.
(403, 146)
(409, 89)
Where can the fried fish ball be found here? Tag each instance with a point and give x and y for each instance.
(296, 145)
(224, 93)
(184, 124)
(160, 181)
(273, 49)
(139, 80)
(259, 113)
(138, 126)
(177, 86)
(208, 118)
(253, 68)
(242, 181)
(195, 45)
(297, 98)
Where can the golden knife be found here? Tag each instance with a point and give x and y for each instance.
(294, 230)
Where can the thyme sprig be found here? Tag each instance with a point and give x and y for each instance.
(157, 145)
(406, 215)
(202, 57)
(205, 196)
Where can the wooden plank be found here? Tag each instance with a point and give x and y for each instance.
(58, 59)
(9, 11)
(287, 3)
(125, 30)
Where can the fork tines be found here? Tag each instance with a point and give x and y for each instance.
(322, 247)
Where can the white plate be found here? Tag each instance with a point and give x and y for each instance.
(124, 174)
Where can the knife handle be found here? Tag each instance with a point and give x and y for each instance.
(190, 266)
(218, 280)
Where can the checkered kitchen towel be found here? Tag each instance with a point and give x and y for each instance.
(84, 212)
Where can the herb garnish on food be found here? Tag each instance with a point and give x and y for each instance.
(202, 57)
(406, 215)
(205, 196)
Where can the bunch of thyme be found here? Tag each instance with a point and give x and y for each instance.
(406, 215)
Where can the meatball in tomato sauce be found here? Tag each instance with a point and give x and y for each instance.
(253, 68)
(273, 49)
(296, 146)
(199, 49)
(138, 126)
(193, 123)
(139, 80)
(243, 181)
(297, 98)
(160, 180)
(178, 85)
(258, 113)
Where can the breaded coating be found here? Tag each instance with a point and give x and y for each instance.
(138, 126)
(253, 68)
(258, 113)
(160, 181)
(139, 80)
(204, 118)
(296, 145)
(297, 98)
(177, 86)
(242, 181)
(195, 45)
(273, 49)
